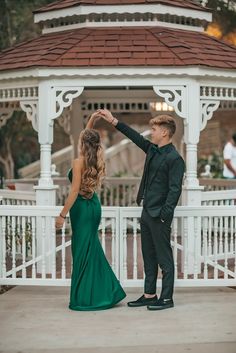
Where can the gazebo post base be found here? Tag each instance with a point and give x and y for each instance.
(46, 195)
(191, 229)
(192, 195)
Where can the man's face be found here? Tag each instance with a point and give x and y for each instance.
(158, 133)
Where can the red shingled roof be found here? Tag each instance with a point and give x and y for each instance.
(62, 4)
(120, 46)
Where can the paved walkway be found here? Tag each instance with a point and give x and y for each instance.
(37, 320)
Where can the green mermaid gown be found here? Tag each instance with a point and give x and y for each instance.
(94, 285)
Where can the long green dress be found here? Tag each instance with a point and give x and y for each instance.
(94, 285)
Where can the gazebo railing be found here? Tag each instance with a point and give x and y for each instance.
(219, 197)
(16, 197)
(122, 191)
(33, 252)
(212, 184)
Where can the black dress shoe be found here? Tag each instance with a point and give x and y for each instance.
(161, 304)
(142, 301)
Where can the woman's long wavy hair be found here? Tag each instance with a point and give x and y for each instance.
(91, 149)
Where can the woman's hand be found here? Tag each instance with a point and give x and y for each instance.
(95, 116)
(59, 222)
(106, 114)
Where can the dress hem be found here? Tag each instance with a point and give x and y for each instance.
(94, 308)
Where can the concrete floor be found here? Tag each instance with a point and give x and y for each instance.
(37, 320)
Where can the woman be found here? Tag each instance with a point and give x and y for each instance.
(94, 285)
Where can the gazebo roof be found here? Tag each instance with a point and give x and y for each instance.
(63, 4)
(120, 46)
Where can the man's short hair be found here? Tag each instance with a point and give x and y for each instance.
(234, 137)
(166, 121)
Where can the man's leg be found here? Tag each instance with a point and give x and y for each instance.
(150, 266)
(166, 261)
(161, 234)
(149, 256)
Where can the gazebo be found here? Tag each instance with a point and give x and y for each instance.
(98, 50)
(87, 45)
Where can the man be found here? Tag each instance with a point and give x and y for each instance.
(229, 171)
(160, 189)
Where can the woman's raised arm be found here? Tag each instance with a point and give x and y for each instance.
(95, 116)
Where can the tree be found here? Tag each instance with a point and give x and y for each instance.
(18, 140)
(16, 21)
(18, 144)
(224, 19)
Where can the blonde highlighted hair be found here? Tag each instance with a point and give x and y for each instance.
(94, 164)
(166, 121)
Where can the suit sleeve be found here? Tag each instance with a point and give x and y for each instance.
(134, 136)
(176, 174)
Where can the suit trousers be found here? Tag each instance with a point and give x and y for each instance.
(157, 251)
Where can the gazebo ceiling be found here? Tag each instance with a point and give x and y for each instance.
(63, 4)
(120, 46)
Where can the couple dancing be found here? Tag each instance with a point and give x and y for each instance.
(94, 285)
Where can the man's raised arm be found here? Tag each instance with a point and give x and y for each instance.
(132, 134)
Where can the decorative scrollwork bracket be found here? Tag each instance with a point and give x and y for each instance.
(175, 96)
(63, 97)
(30, 107)
(208, 107)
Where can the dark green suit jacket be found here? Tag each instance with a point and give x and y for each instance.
(160, 189)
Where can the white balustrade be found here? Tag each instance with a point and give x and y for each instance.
(121, 191)
(16, 197)
(203, 242)
(219, 197)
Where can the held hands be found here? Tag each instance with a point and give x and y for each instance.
(101, 113)
(106, 115)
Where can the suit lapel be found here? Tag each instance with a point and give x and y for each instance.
(159, 159)
(149, 156)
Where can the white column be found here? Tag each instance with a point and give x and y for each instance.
(45, 190)
(191, 161)
(45, 162)
(192, 191)
(191, 195)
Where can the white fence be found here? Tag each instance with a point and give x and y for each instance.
(219, 197)
(17, 197)
(33, 252)
(120, 191)
(115, 191)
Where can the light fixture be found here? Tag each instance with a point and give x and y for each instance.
(161, 107)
